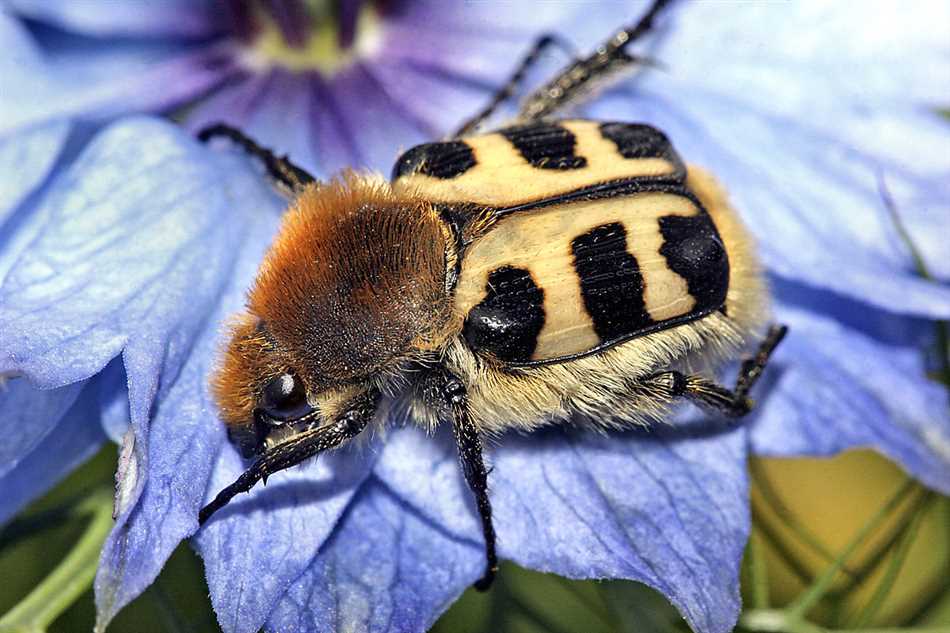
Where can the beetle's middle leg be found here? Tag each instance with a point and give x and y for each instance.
(447, 394)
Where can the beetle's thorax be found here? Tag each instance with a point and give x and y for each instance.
(354, 283)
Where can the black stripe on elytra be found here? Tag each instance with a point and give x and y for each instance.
(545, 145)
(611, 283)
(694, 251)
(508, 320)
(636, 140)
(439, 160)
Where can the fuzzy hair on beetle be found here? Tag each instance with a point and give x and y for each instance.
(549, 271)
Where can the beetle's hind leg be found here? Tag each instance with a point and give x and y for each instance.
(576, 81)
(280, 168)
(543, 43)
(732, 403)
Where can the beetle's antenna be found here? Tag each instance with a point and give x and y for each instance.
(296, 449)
(581, 77)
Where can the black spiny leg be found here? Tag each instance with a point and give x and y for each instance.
(447, 393)
(579, 77)
(278, 167)
(532, 56)
(735, 403)
(298, 448)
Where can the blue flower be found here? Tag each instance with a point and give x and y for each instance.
(118, 273)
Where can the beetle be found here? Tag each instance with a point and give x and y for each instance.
(551, 270)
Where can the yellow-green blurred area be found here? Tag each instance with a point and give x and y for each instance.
(806, 512)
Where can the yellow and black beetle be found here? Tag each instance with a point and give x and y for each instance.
(550, 270)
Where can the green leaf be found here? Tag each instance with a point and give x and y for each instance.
(71, 578)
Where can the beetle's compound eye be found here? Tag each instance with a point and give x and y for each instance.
(285, 398)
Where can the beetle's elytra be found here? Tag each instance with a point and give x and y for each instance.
(550, 270)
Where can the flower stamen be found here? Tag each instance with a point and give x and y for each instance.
(329, 41)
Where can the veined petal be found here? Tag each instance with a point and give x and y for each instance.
(26, 158)
(837, 388)
(160, 245)
(387, 568)
(75, 438)
(798, 56)
(136, 18)
(27, 155)
(262, 543)
(667, 508)
(126, 256)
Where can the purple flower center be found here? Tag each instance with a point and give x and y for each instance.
(302, 35)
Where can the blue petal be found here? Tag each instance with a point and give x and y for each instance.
(802, 145)
(197, 221)
(75, 439)
(150, 241)
(386, 568)
(27, 415)
(110, 79)
(134, 210)
(263, 542)
(26, 159)
(665, 510)
(26, 156)
(178, 18)
(838, 388)
(114, 402)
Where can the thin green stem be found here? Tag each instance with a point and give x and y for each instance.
(774, 501)
(810, 597)
(171, 621)
(539, 620)
(781, 621)
(920, 265)
(71, 578)
(886, 544)
(902, 629)
(936, 606)
(775, 540)
(757, 574)
(898, 557)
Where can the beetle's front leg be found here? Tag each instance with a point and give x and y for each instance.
(297, 448)
(448, 395)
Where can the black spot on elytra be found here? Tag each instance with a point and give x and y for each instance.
(510, 317)
(439, 160)
(694, 251)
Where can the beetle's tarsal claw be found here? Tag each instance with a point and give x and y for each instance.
(485, 582)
